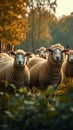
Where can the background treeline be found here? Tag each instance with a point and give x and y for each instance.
(17, 20)
(28, 25)
(52, 30)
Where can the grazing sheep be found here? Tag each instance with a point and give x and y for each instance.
(14, 70)
(48, 71)
(68, 65)
(41, 52)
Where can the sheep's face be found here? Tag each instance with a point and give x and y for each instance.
(42, 53)
(26, 59)
(57, 54)
(19, 59)
(20, 55)
(70, 58)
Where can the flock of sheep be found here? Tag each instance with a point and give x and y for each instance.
(47, 67)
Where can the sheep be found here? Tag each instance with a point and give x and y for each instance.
(67, 65)
(48, 72)
(29, 57)
(14, 70)
(3, 55)
(41, 52)
(34, 61)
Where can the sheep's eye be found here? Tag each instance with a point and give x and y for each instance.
(54, 51)
(22, 56)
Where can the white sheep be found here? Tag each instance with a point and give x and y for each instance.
(29, 57)
(34, 61)
(67, 65)
(48, 72)
(14, 70)
(3, 55)
(41, 52)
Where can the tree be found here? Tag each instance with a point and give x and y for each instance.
(66, 29)
(13, 23)
(40, 13)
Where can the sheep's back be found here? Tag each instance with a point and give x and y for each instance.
(43, 74)
(68, 69)
(37, 73)
(5, 67)
(34, 61)
(3, 55)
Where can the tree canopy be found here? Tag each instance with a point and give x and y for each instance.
(13, 23)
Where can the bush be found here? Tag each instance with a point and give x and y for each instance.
(23, 110)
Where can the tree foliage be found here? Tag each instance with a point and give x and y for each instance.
(42, 31)
(38, 20)
(13, 24)
(66, 29)
(39, 17)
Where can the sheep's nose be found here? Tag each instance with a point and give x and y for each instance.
(57, 58)
(20, 62)
(71, 60)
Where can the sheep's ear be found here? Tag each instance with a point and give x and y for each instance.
(37, 51)
(49, 50)
(45, 50)
(28, 54)
(66, 51)
(11, 52)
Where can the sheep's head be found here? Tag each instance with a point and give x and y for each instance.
(19, 57)
(70, 56)
(56, 52)
(42, 52)
(27, 57)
